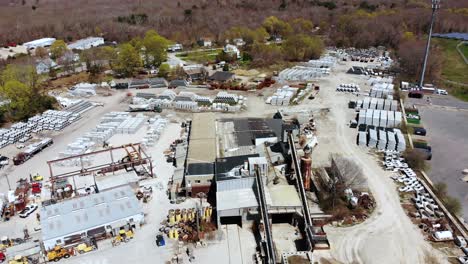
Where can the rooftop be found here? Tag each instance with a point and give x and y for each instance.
(88, 212)
(202, 148)
(224, 165)
(239, 198)
(221, 76)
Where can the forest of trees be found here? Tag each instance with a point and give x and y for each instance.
(359, 23)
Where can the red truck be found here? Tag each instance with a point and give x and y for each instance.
(32, 150)
(36, 187)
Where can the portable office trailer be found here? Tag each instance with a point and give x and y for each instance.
(401, 143)
(382, 140)
(366, 103)
(372, 138)
(376, 118)
(362, 117)
(391, 141)
(394, 106)
(397, 119)
(387, 104)
(373, 103)
(369, 115)
(380, 104)
(390, 119)
(383, 118)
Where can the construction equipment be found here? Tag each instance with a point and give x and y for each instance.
(19, 260)
(32, 150)
(57, 253)
(6, 243)
(37, 177)
(84, 248)
(123, 236)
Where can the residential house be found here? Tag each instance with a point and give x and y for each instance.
(233, 50)
(45, 65)
(239, 42)
(221, 77)
(175, 47)
(205, 42)
(195, 72)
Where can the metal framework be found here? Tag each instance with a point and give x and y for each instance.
(135, 156)
(309, 230)
(435, 7)
(268, 242)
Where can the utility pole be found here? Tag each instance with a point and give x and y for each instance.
(435, 7)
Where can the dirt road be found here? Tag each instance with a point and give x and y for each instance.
(388, 236)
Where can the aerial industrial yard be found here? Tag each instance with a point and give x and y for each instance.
(207, 163)
(277, 144)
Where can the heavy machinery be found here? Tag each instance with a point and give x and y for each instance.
(19, 260)
(123, 236)
(84, 248)
(57, 253)
(6, 243)
(32, 150)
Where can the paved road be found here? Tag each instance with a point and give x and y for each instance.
(448, 135)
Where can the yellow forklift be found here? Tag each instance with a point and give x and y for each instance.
(58, 253)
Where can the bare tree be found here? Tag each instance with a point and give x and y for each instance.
(347, 173)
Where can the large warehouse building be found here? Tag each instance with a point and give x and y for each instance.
(92, 216)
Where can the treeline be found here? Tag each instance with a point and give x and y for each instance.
(22, 93)
(348, 23)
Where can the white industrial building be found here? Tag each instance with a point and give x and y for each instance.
(43, 42)
(86, 43)
(94, 215)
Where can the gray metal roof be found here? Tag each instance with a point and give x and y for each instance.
(87, 212)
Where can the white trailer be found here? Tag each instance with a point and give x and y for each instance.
(362, 138)
(373, 139)
(382, 140)
(388, 104)
(369, 115)
(390, 119)
(394, 106)
(397, 119)
(373, 103)
(383, 118)
(366, 103)
(376, 118)
(380, 103)
(362, 117)
(391, 141)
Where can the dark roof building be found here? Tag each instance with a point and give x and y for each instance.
(178, 83)
(224, 165)
(221, 76)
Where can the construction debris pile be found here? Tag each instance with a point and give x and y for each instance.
(189, 101)
(426, 207)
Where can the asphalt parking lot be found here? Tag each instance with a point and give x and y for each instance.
(448, 135)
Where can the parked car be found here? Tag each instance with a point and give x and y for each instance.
(420, 131)
(460, 241)
(29, 209)
(442, 92)
(4, 161)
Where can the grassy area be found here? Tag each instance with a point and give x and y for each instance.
(464, 49)
(199, 56)
(454, 68)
